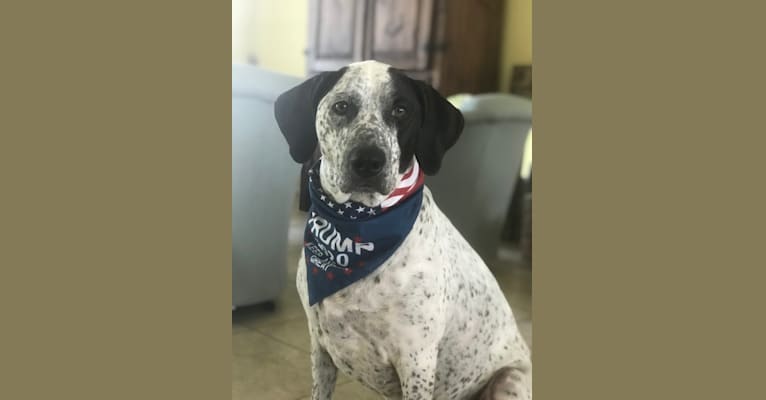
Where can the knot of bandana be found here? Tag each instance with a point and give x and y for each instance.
(346, 242)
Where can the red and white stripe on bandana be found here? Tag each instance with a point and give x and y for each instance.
(411, 181)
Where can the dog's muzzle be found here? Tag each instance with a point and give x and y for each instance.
(366, 164)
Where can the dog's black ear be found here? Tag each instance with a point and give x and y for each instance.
(295, 111)
(442, 125)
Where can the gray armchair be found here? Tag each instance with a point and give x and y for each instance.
(264, 180)
(475, 185)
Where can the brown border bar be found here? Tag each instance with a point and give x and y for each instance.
(116, 200)
(648, 200)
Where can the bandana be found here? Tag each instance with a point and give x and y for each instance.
(344, 243)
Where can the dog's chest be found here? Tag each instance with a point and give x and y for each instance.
(364, 326)
(433, 289)
(398, 303)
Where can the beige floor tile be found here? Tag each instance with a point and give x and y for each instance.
(235, 327)
(526, 331)
(293, 332)
(515, 280)
(247, 342)
(263, 368)
(352, 391)
(355, 391)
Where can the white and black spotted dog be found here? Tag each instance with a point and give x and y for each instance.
(431, 321)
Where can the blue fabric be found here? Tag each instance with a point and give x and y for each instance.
(347, 242)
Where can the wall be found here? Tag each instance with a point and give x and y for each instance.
(516, 45)
(516, 48)
(274, 33)
(241, 15)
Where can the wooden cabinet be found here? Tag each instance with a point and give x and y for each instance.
(336, 33)
(452, 44)
(399, 31)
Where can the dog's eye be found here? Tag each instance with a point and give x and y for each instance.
(398, 112)
(340, 108)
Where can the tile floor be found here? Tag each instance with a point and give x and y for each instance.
(270, 347)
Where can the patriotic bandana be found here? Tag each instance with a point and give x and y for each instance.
(344, 243)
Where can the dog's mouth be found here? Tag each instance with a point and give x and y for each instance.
(368, 188)
(369, 199)
(371, 191)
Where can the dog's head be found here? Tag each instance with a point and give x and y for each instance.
(369, 120)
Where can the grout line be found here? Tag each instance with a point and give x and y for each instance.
(280, 340)
(241, 326)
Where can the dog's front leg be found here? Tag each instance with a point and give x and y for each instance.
(323, 371)
(417, 374)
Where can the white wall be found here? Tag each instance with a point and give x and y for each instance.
(273, 32)
(516, 44)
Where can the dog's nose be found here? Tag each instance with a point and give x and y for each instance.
(367, 161)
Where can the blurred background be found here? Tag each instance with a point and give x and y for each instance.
(464, 46)
(478, 53)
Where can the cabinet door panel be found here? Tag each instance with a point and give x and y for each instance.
(399, 32)
(470, 59)
(336, 33)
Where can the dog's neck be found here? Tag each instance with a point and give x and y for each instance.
(329, 180)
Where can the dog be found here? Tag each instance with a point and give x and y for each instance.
(430, 322)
